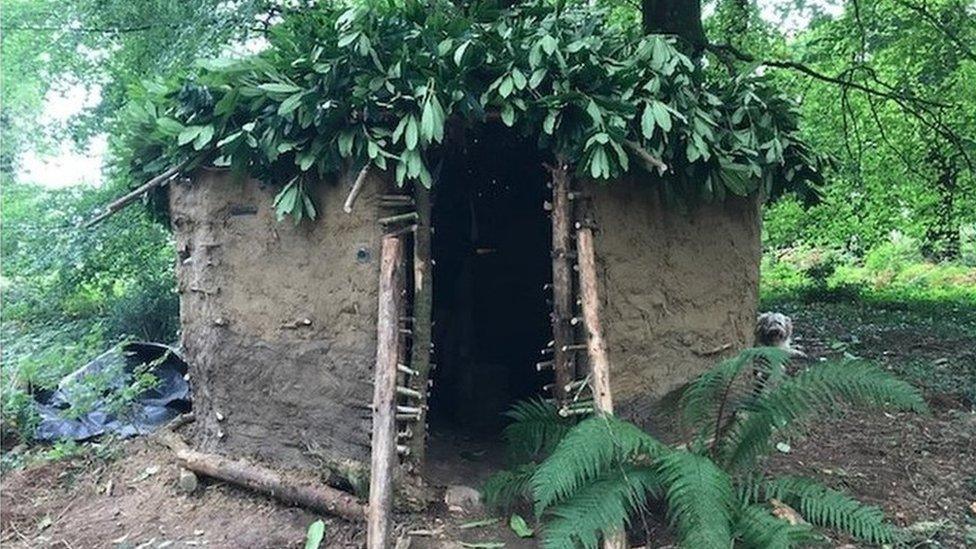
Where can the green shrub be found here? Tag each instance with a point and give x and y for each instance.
(70, 293)
(605, 470)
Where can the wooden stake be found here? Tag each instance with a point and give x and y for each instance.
(596, 346)
(384, 454)
(562, 280)
(409, 216)
(423, 305)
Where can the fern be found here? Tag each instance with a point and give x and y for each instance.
(705, 396)
(832, 509)
(600, 508)
(700, 499)
(757, 528)
(586, 452)
(817, 389)
(504, 488)
(535, 430)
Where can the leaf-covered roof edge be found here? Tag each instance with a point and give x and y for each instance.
(349, 87)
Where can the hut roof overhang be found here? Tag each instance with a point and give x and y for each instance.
(358, 88)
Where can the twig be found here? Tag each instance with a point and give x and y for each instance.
(133, 195)
(647, 158)
(356, 188)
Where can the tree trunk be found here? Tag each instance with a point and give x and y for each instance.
(942, 239)
(681, 18)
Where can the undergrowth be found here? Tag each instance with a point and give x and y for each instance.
(603, 471)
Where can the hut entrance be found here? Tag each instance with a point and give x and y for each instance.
(491, 253)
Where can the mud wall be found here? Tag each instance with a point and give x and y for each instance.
(278, 320)
(679, 289)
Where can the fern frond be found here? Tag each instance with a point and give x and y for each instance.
(817, 389)
(712, 393)
(587, 451)
(504, 488)
(700, 499)
(832, 509)
(757, 528)
(535, 430)
(602, 507)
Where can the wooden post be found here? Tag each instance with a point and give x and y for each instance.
(596, 346)
(423, 298)
(562, 282)
(384, 454)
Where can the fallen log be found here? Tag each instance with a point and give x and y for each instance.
(316, 497)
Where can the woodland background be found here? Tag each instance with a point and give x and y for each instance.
(892, 232)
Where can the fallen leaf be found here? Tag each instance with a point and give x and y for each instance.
(520, 527)
(785, 512)
(478, 523)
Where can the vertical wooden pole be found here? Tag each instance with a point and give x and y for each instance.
(423, 298)
(562, 282)
(384, 395)
(596, 346)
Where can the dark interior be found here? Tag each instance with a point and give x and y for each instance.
(491, 259)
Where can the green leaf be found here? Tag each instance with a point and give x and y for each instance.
(537, 76)
(508, 114)
(169, 127)
(647, 121)
(549, 44)
(520, 527)
(549, 124)
(188, 134)
(203, 138)
(518, 79)
(230, 139)
(661, 115)
(593, 110)
(316, 532)
(276, 87)
(459, 53)
(348, 39)
(505, 89)
(412, 133)
(290, 104)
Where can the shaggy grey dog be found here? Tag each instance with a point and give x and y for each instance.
(776, 330)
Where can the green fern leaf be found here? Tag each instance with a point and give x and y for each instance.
(586, 452)
(602, 507)
(757, 528)
(535, 430)
(832, 509)
(819, 388)
(711, 399)
(700, 499)
(504, 488)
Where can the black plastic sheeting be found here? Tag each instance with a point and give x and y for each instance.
(110, 373)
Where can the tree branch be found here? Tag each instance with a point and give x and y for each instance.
(727, 49)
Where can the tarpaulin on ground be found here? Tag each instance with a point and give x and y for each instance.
(131, 390)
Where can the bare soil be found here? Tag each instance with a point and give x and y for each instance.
(920, 469)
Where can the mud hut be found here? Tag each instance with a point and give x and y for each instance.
(280, 320)
(487, 209)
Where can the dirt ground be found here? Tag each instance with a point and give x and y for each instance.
(920, 469)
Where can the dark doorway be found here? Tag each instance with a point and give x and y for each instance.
(491, 259)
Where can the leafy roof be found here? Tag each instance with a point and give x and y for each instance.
(346, 87)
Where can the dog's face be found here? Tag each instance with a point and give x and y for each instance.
(774, 330)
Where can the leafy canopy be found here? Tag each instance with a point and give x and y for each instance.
(381, 85)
